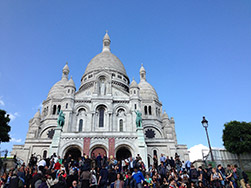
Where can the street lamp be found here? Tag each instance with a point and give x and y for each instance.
(205, 125)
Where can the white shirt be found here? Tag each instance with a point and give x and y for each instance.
(41, 163)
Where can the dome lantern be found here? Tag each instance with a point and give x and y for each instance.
(142, 73)
(106, 43)
(66, 71)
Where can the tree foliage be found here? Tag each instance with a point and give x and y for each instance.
(237, 137)
(4, 126)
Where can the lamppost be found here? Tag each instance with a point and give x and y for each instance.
(205, 125)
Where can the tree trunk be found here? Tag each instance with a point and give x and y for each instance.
(239, 160)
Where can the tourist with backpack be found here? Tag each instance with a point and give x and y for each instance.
(193, 175)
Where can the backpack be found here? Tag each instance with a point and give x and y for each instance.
(194, 173)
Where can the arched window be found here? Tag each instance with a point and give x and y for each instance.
(145, 110)
(150, 110)
(121, 125)
(44, 154)
(80, 125)
(54, 110)
(135, 106)
(101, 111)
(155, 153)
(59, 108)
(148, 160)
(66, 106)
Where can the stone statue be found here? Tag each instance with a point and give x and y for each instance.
(102, 87)
(138, 119)
(61, 119)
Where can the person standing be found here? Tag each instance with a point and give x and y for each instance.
(215, 178)
(103, 177)
(85, 177)
(155, 161)
(238, 172)
(138, 176)
(119, 183)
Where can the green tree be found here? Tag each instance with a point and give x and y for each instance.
(237, 137)
(4, 126)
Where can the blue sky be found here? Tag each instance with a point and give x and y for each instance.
(196, 53)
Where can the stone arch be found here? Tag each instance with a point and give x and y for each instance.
(74, 150)
(155, 149)
(103, 73)
(119, 106)
(98, 145)
(149, 126)
(126, 143)
(124, 147)
(46, 128)
(149, 159)
(69, 144)
(103, 83)
(100, 104)
(43, 150)
(79, 106)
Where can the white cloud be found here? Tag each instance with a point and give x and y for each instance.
(16, 140)
(1, 101)
(13, 116)
(12, 139)
(195, 152)
(40, 106)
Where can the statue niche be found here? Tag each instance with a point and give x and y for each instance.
(102, 86)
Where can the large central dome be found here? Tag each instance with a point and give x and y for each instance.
(105, 60)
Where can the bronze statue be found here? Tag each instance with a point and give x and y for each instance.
(61, 119)
(138, 119)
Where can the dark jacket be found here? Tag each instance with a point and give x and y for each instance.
(14, 180)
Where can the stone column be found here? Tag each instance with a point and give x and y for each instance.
(87, 142)
(111, 147)
(55, 144)
(142, 148)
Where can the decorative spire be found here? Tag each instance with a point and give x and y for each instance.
(142, 73)
(37, 115)
(106, 43)
(66, 71)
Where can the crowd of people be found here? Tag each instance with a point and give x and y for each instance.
(101, 172)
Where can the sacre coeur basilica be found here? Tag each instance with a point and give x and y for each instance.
(100, 117)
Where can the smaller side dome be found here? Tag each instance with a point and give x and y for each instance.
(146, 91)
(164, 115)
(134, 84)
(57, 90)
(70, 83)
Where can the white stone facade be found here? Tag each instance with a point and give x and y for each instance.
(101, 114)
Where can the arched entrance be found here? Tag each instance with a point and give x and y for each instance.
(123, 153)
(98, 150)
(74, 151)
